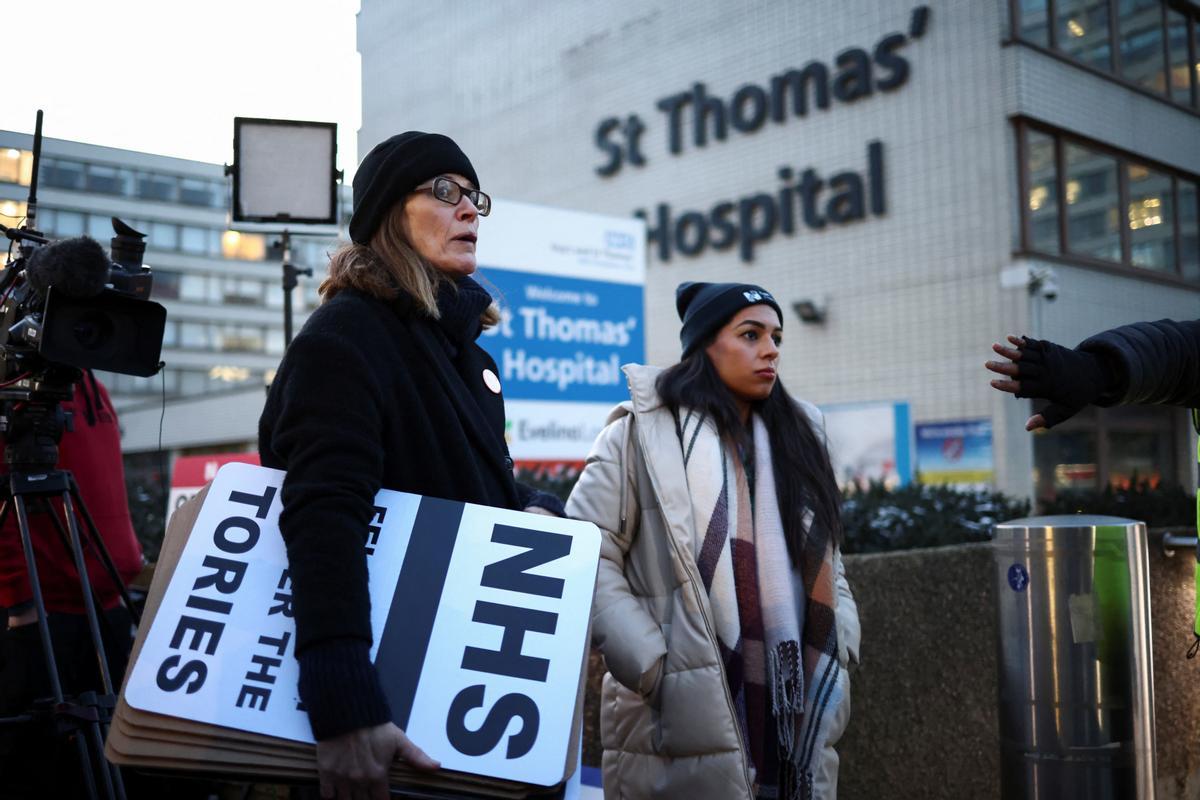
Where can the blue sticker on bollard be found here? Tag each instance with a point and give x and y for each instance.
(1018, 577)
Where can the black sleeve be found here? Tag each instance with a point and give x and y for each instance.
(326, 432)
(340, 688)
(528, 496)
(1154, 362)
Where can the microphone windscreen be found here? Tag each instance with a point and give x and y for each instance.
(77, 267)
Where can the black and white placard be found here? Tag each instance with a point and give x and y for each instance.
(480, 618)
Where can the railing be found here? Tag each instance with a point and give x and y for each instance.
(1173, 541)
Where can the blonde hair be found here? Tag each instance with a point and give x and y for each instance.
(389, 266)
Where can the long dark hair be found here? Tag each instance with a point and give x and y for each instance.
(799, 459)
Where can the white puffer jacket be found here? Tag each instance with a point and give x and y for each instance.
(667, 721)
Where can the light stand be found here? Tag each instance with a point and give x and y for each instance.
(290, 273)
(284, 171)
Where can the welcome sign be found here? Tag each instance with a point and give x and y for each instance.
(570, 290)
(480, 618)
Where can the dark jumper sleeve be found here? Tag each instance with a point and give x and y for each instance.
(528, 496)
(1155, 362)
(326, 433)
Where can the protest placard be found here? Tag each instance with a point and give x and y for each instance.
(480, 618)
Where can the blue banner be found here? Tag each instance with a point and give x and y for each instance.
(563, 338)
(957, 452)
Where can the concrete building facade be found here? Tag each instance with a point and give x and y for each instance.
(916, 171)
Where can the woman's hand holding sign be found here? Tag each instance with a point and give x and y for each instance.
(355, 764)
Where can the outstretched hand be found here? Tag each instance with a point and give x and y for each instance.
(355, 764)
(1011, 381)
(1069, 379)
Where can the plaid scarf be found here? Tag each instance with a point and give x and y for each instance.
(762, 609)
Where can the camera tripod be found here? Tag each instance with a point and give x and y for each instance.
(33, 429)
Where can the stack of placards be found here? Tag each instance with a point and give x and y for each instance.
(480, 618)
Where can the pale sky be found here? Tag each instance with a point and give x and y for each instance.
(169, 76)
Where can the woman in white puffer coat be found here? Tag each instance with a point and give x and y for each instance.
(721, 608)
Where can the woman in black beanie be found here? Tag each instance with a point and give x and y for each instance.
(384, 387)
(721, 606)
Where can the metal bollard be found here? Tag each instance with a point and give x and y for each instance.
(1076, 680)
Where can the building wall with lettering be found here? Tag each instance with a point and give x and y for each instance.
(913, 292)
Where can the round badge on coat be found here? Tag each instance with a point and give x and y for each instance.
(492, 381)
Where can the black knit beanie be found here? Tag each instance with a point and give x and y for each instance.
(394, 168)
(704, 307)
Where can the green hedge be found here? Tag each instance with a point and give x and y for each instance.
(878, 519)
(558, 480)
(1159, 506)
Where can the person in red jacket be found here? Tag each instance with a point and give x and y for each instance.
(33, 761)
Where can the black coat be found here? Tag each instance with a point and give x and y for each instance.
(373, 395)
(1156, 362)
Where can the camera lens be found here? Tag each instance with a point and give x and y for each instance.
(93, 331)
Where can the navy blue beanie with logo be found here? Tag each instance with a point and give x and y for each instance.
(705, 307)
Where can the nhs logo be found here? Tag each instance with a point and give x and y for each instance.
(618, 240)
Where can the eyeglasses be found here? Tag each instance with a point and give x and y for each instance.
(451, 192)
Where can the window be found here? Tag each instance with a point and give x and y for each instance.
(193, 240)
(163, 236)
(1118, 210)
(1140, 34)
(197, 192)
(1082, 31)
(312, 295)
(1064, 460)
(1196, 62)
(170, 329)
(224, 376)
(193, 335)
(1178, 66)
(244, 246)
(1108, 447)
(166, 285)
(1034, 21)
(136, 384)
(156, 187)
(125, 385)
(68, 223)
(59, 173)
(240, 338)
(99, 228)
(193, 288)
(315, 254)
(1093, 227)
(16, 166)
(1043, 193)
(107, 180)
(1145, 45)
(12, 212)
(241, 291)
(1151, 216)
(1189, 231)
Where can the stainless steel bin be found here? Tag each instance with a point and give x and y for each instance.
(1076, 678)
